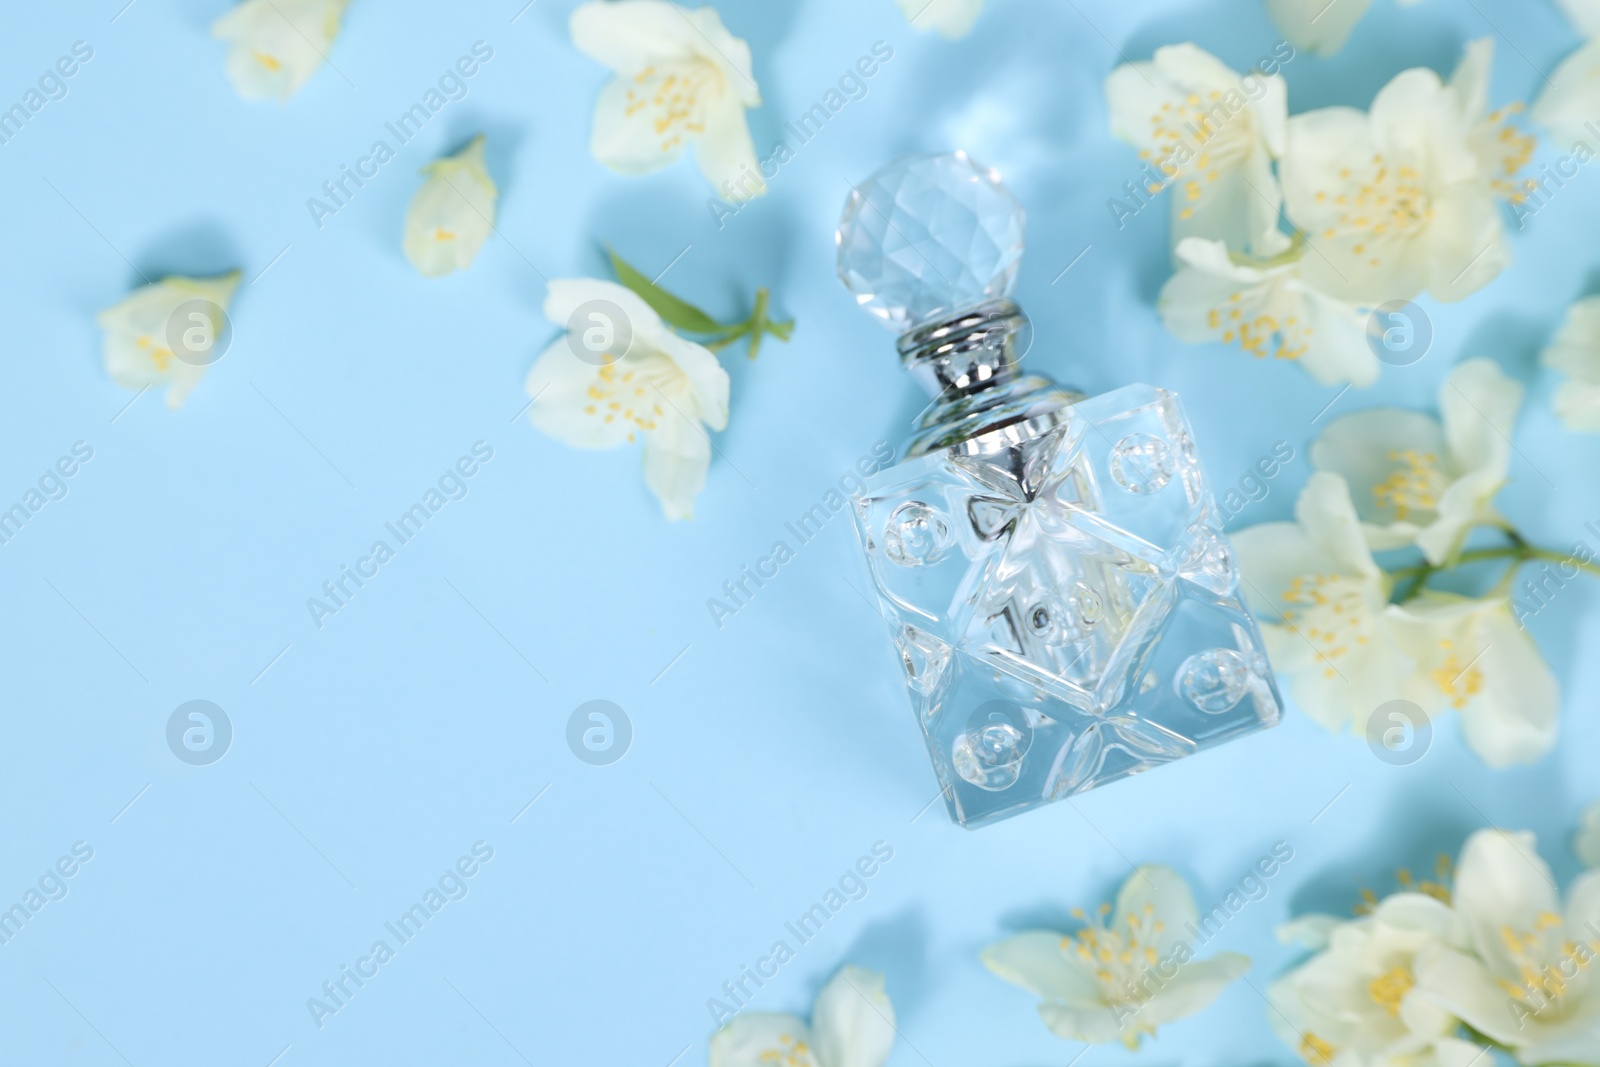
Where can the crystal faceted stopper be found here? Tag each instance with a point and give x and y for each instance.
(928, 236)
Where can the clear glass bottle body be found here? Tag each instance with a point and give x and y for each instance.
(1064, 603)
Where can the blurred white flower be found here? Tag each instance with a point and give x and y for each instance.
(1321, 26)
(621, 374)
(852, 1025)
(1586, 842)
(1395, 201)
(1323, 603)
(1417, 480)
(452, 214)
(1356, 1001)
(681, 78)
(166, 332)
(1570, 102)
(1267, 308)
(1473, 657)
(1576, 352)
(275, 45)
(1525, 977)
(1126, 972)
(1213, 134)
(952, 18)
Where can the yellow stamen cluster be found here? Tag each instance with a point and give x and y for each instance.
(159, 354)
(615, 395)
(1540, 959)
(673, 98)
(1414, 485)
(1120, 956)
(1439, 889)
(1509, 147)
(1255, 329)
(1387, 201)
(1444, 873)
(268, 61)
(1316, 1051)
(1334, 610)
(791, 1052)
(1389, 989)
(1458, 681)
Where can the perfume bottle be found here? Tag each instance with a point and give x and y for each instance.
(1052, 566)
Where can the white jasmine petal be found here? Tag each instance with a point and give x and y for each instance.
(704, 378)
(1575, 351)
(1418, 480)
(852, 1025)
(760, 1039)
(1586, 843)
(163, 333)
(1322, 600)
(1570, 102)
(676, 458)
(618, 312)
(1393, 462)
(1156, 890)
(275, 45)
(568, 397)
(1583, 14)
(952, 18)
(1471, 656)
(452, 214)
(1318, 25)
(1309, 931)
(726, 155)
(1042, 962)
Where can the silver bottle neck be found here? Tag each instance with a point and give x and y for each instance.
(970, 365)
(970, 350)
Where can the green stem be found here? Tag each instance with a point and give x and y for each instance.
(755, 327)
(1483, 1040)
(758, 323)
(723, 340)
(1593, 566)
(1409, 582)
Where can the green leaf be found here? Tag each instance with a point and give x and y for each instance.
(678, 314)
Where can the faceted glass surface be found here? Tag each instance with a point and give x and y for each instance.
(929, 235)
(1066, 608)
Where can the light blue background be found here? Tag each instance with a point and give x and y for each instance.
(775, 750)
